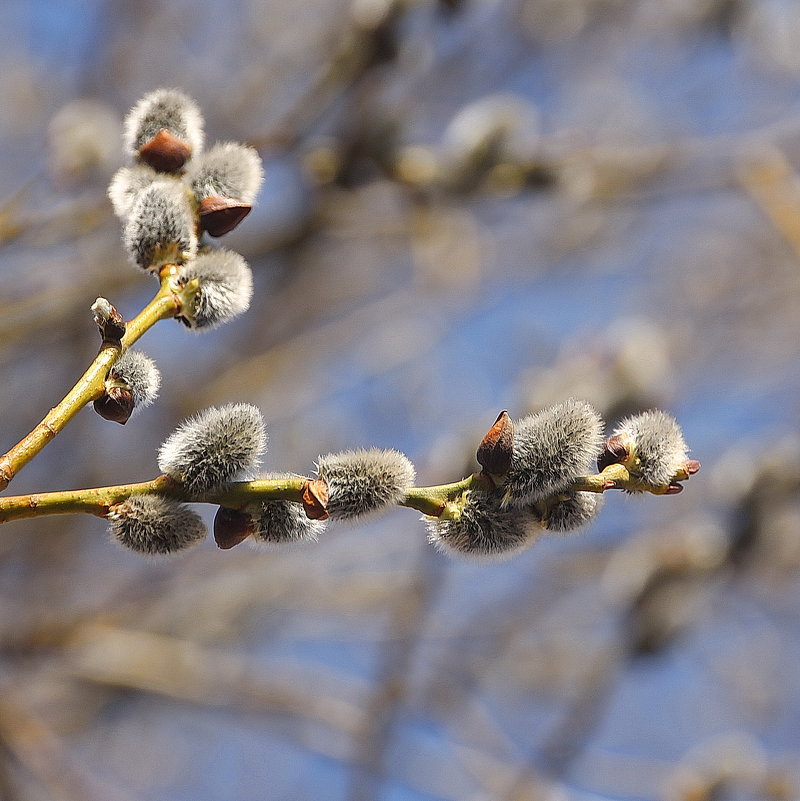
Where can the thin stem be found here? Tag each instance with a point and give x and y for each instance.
(432, 501)
(91, 385)
(97, 501)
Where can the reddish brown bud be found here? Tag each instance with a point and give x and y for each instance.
(315, 499)
(165, 152)
(232, 526)
(219, 215)
(692, 466)
(615, 451)
(494, 452)
(116, 405)
(110, 322)
(674, 489)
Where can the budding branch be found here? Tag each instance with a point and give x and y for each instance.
(431, 501)
(168, 302)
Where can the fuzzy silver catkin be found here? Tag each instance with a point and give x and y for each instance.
(228, 169)
(658, 448)
(485, 530)
(573, 512)
(139, 374)
(215, 446)
(226, 287)
(283, 522)
(153, 524)
(126, 183)
(161, 227)
(551, 449)
(167, 109)
(363, 481)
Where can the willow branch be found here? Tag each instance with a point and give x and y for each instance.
(167, 303)
(432, 501)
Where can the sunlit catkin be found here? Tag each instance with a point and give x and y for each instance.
(126, 183)
(160, 228)
(138, 373)
(551, 449)
(572, 513)
(226, 287)
(214, 447)
(152, 524)
(363, 481)
(164, 129)
(484, 529)
(656, 447)
(228, 169)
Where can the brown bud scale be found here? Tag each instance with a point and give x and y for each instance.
(615, 451)
(220, 215)
(232, 526)
(315, 499)
(116, 405)
(494, 452)
(165, 152)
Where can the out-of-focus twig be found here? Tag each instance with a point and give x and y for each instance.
(37, 748)
(775, 187)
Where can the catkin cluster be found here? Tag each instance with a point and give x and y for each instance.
(174, 192)
(537, 474)
(531, 467)
(221, 444)
(527, 486)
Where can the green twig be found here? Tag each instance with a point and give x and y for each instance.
(431, 501)
(167, 302)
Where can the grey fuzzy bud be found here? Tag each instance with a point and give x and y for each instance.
(551, 449)
(484, 529)
(164, 110)
(573, 512)
(227, 170)
(226, 286)
(214, 447)
(153, 524)
(364, 481)
(126, 183)
(281, 522)
(138, 373)
(657, 446)
(161, 227)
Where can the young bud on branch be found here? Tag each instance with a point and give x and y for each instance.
(551, 449)
(160, 229)
(478, 526)
(164, 129)
(652, 447)
(226, 286)
(110, 322)
(126, 184)
(153, 524)
(214, 447)
(364, 481)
